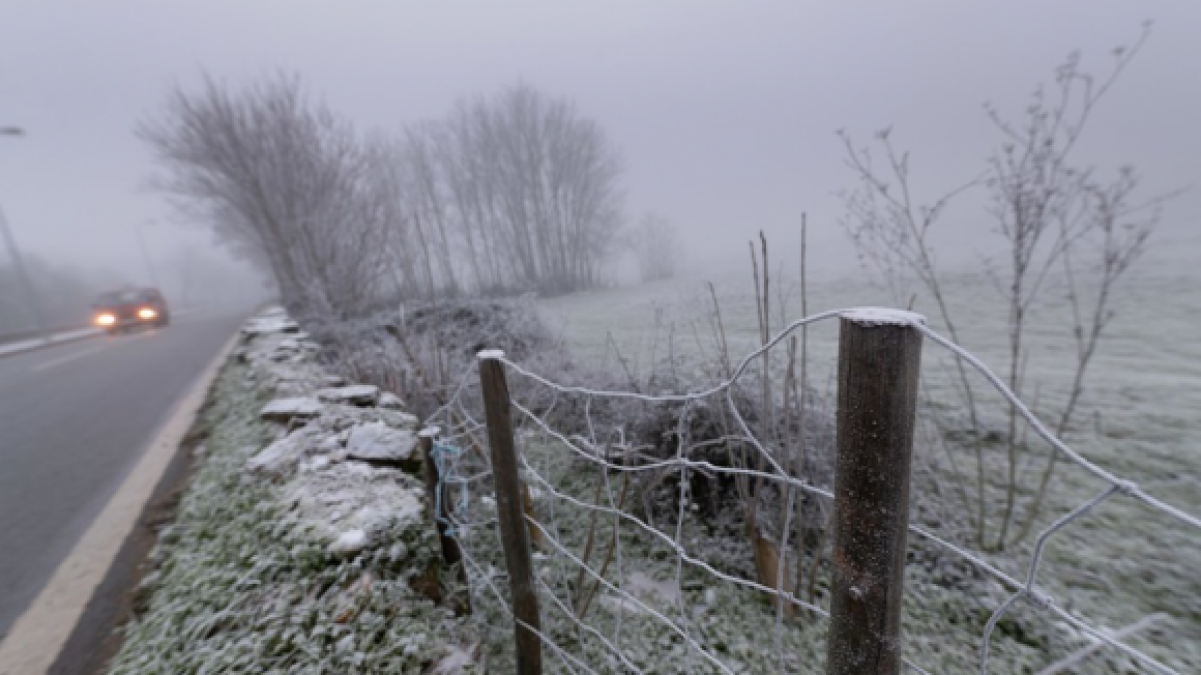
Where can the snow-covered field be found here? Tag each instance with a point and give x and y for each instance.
(1138, 419)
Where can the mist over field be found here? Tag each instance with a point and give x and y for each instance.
(725, 117)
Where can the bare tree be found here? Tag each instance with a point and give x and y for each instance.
(656, 246)
(534, 190)
(1051, 216)
(283, 182)
(510, 193)
(429, 207)
(408, 272)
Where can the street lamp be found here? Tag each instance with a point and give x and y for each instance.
(15, 253)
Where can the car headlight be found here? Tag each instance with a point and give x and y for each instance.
(106, 320)
(147, 313)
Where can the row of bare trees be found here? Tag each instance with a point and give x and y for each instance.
(511, 193)
(283, 182)
(521, 188)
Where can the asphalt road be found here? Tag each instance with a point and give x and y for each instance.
(74, 420)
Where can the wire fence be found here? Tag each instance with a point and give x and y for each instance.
(632, 563)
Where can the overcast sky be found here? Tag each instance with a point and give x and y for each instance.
(725, 111)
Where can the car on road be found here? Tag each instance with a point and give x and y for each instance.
(117, 311)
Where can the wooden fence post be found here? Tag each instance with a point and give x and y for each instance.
(879, 356)
(510, 512)
(439, 511)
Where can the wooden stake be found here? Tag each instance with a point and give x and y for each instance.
(511, 513)
(879, 356)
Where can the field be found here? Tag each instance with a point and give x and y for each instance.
(1120, 564)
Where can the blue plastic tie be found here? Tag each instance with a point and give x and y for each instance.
(444, 455)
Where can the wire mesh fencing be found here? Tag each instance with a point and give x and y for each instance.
(687, 533)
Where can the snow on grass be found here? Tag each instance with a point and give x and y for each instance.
(654, 614)
(311, 572)
(329, 501)
(1120, 564)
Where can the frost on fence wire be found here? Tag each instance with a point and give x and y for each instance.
(631, 577)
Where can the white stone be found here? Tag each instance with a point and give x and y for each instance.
(379, 442)
(316, 464)
(279, 455)
(351, 541)
(407, 420)
(284, 409)
(390, 401)
(264, 324)
(340, 498)
(329, 444)
(356, 394)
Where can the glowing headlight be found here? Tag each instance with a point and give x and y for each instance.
(147, 313)
(106, 320)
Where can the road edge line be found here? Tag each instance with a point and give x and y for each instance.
(49, 343)
(37, 637)
(85, 336)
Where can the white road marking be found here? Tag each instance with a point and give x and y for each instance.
(52, 363)
(37, 637)
(70, 336)
(56, 339)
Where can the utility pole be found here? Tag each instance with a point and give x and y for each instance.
(18, 262)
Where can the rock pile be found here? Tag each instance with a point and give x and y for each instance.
(345, 453)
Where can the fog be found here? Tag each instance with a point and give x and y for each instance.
(434, 194)
(725, 113)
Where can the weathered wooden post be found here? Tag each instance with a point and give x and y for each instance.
(879, 356)
(510, 512)
(439, 511)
